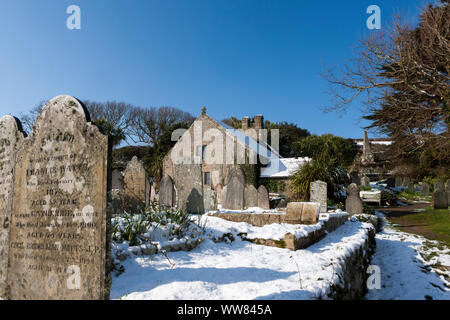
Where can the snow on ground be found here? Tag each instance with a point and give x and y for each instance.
(408, 267)
(240, 270)
(216, 227)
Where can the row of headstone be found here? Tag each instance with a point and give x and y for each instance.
(54, 241)
(236, 195)
(402, 181)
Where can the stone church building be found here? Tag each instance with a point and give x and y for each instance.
(213, 165)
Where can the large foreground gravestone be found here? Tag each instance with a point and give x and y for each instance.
(235, 189)
(353, 203)
(60, 224)
(318, 193)
(263, 198)
(10, 138)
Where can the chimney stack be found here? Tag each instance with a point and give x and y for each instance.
(259, 122)
(245, 123)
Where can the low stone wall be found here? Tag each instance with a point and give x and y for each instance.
(333, 221)
(329, 223)
(354, 277)
(255, 219)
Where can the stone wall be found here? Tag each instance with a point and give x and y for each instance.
(354, 277)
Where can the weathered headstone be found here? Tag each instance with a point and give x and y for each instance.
(153, 193)
(294, 212)
(398, 181)
(10, 138)
(311, 212)
(59, 240)
(302, 212)
(235, 189)
(251, 196)
(224, 195)
(406, 181)
(219, 194)
(438, 185)
(117, 182)
(365, 182)
(209, 199)
(447, 189)
(263, 198)
(167, 192)
(425, 189)
(410, 187)
(353, 203)
(135, 180)
(282, 204)
(318, 193)
(440, 200)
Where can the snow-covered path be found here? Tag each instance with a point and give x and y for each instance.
(404, 272)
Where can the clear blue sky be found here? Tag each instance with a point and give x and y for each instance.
(236, 57)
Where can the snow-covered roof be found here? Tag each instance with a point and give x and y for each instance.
(286, 167)
(260, 148)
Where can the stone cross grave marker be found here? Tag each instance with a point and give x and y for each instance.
(59, 240)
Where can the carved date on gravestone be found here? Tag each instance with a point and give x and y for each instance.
(59, 242)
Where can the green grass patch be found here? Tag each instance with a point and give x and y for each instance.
(435, 220)
(413, 196)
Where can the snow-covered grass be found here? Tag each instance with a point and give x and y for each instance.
(412, 267)
(240, 269)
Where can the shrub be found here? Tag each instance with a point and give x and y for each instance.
(313, 171)
(301, 180)
(130, 227)
(388, 197)
(368, 209)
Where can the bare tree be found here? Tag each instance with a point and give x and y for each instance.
(28, 119)
(403, 76)
(147, 125)
(116, 113)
